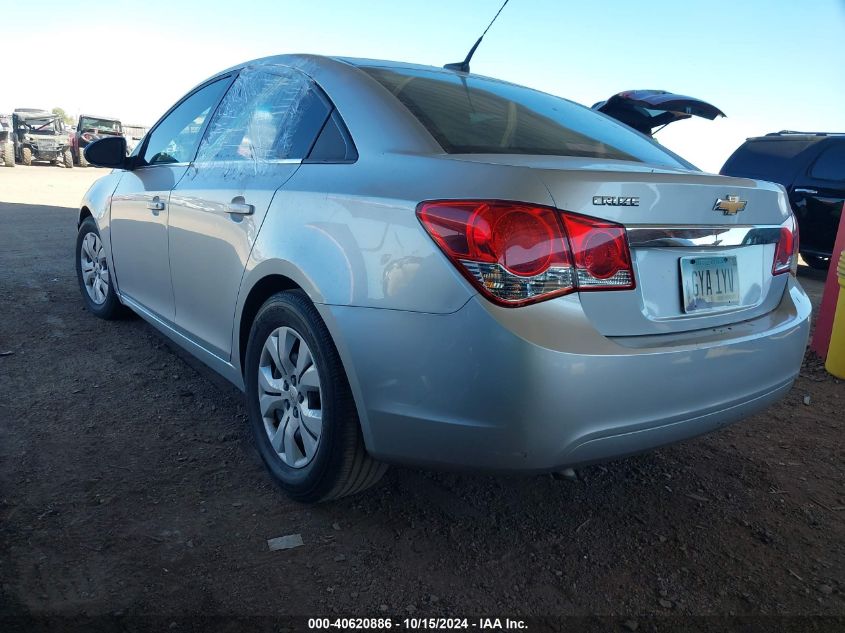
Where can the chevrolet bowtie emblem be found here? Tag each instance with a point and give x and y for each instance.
(731, 205)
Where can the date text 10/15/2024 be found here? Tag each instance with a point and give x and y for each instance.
(417, 624)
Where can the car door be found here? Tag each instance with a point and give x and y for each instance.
(264, 127)
(139, 211)
(817, 196)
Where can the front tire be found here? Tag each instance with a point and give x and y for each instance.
(68, 159)
(9, 154)
(93, 274)
(301, 411)
(82, 162)
(26, 156)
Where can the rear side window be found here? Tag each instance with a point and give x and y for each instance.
(775, 159)
(270, 113)
(334, 144)
(831, 164)
(474, 115)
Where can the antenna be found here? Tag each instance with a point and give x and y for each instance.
(463, 66)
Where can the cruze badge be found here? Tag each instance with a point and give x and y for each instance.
(730, 205)
(616, 201)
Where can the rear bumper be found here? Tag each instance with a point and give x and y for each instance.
(539, 389)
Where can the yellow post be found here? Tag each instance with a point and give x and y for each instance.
(835, 363)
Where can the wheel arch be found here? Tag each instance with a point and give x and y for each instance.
(275, 276)
(261, 290)
(84, 213)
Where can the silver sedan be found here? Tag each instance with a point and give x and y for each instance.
(408, 264)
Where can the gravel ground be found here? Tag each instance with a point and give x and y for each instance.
(129, 485)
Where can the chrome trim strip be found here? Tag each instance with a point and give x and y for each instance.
(701, 236)
(154, 165)
(246, 161)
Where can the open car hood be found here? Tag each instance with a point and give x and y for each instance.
(646, 110)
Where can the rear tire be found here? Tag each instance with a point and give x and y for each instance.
(68, 159)
(26, 156)
(82, 161)
(92, 269)
(816, 262)
(339, 465)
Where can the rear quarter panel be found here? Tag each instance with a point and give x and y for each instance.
(349, 234)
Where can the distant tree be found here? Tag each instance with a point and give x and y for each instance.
(65, 116)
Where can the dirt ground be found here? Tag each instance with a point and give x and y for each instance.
(129, 486)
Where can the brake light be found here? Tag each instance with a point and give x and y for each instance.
(519, 253)
(786, 251)
(602, 258)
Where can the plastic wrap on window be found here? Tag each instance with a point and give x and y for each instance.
(253, 127)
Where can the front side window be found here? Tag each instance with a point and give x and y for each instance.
(270, 113)
(475, 115)
(175, 139)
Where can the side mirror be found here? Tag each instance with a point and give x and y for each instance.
(109, 151)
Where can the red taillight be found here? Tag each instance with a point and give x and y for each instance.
(519, 253)
(602, 258)
(786, 251)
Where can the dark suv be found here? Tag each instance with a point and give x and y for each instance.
(812, 168)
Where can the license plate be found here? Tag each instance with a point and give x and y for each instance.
(709, 283)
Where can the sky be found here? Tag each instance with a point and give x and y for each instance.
(768, 64)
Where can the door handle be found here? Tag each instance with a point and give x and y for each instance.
(240, 208)
(155, 205)
(812, 192)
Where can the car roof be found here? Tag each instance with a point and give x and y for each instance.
(793, 135)
(316, 63)
(378, 121)
(298, 59)
(386, 63)
(33, 113)
(97, 116)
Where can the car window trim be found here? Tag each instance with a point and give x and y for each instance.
(274, 161)
(230, 77)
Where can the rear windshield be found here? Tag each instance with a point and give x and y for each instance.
(475, 115)
(774, 159)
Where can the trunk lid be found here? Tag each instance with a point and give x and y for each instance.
(670, 215)
(646, 110)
